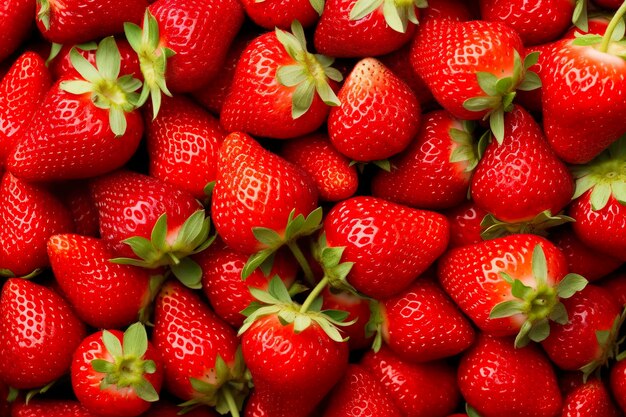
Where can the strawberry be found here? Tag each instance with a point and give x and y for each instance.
(335, 177)
(29, 216)
(609, 4)
(21, 92)
(202, 362)
(151, 224)
(417, 389)
(590, 400)
(396, 62)
(458, 10)
(50, 408)
(361, 127)
(360, 394)
(473, 68)
(438, 162)
(183, 141)
(117, 374)
(617, 379)
(498, 380)
(77, 198)
(359, 311)
(15, 23)
(72, 137)
(616, 285)
(165, 409)
(103, 294)
(510, 285)
(280, 90)
(389, 244)
(182, 45)
(271, 14)
(38, 334)
(465, 222)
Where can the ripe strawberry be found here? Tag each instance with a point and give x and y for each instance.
(465, 222)
(78, 200)
(103, 294)
(29, 216)
(74, 21)
(15, 23)
(359, 309)
(165, 409)
(417, 389)
(200, 352)
(389, 244)
(458, 10)
(590, 400)
(280, 90)
(438, 162)
(360, 394)
(510, 285)
(183, 142)
(22, 90)
(531, 100)
(396, 62)
(499, 380)
(50, 408)
(617, 380)
(38, 334)
(609, 4)
(616, 285)
(361, 126)
(271, 14)
(70, 137)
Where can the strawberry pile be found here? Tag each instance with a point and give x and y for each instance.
(309, 208)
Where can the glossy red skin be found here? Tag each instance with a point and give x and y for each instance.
(270, 14)
(499, 380)
(458, 10)
(531, 100)
(390, 244)
(334, 178)
(447, 55)
(574, 345)
(165, 409)
(16, 18)
(426, 166)
(129, 204)
(50, 408)
(417, 389)
(38, 334)
(256, 188)
(22, 90)
(357, 308)
(471, 276)
(70, 138)
(590, 400)
(78, 200)
(78, 21)
(200, 32)
(227, 292)
(29, 215)
(111, 401)
(596, 24)
(617, 380)
(338, 36)
(189, 337)
(257, 104)
(359, 394)
(396, 61)
(291, 372)
(422, 324)
(583, 260)
(103, 294)
(465, 222)
(609, 4)
(616, 285)
(183, 143)
(603, 230)
(579, 129)
(522, 177)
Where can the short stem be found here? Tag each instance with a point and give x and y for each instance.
(606, 39)
(304, 264)
(232, 407)
(313, 295)
(174, 258)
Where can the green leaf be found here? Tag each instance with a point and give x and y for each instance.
(539, 331)
(519, 290)
(141, 246)
(396, 17)
(291, 75)
(559, 314)
(481, 103)
(602, 336)
(539, 265)
(487, 82)
(579, 17)
(108, 59)
(263, 296)
(44, 13)
(587, 40)
(618, 32)
(254, 261)
(278, 290)
(130, 261)
(363, 8)
(77, 87)
(600, 196)
(506, 309)
(159, 233)
(133, 35)
(301, 323)
(383, 164)
(471, 412)
(504, 85)
(55, 48)
(102, 366)
(112, 344)
(146, 391)
(318, 6)
(188, 272)
(618, 189)
(330, 330)
(135, 340)
(117, 120)
(570, 284)
(531, 82)
(298, 32)
(191, 229)
(336, 315)
(332, 73)
(268, 237)
(522, 338)
(290, 43)
(302, 98)
(531, 59)
(327, 94)
(208, 188)
(316, 305)
(84, 67)
(149, 367)
(496, 123)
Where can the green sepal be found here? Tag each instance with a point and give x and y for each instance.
(55, 48)
(468, 150)
(587, 40)
(470, 411)
(374, 325)
(579, 17)
(7, 273)
(397, 14)
(609, 343)
(570, 284)
(31, 393)
(493, 228)
(383, 164)
(329, 259)
(318, 6)
(363, 8)
(43, 15)
(12, 395)
(496, 124)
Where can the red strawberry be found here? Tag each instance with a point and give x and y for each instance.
(200, 352)
(417, 389)
(15, 23)
(77, 198)
(458, 10)
(510, 285)
(361, 127)
(358, 308)
(271, 14)
(438, 162)
(50, 408)
(389, 244)
(616, 285)
(22, 90)
(499, 380)
(183, 142)
(76, 21)
(531, 99)
(165, 409)
(465, 222)
(396, 62)
(618, 383)
(104, 294)
(359, 394)
(609, 4)
(29, 216)
(590, 400)
(38, 334)
(280, 90)
(70, 137)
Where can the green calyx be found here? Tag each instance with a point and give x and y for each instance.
(468, 150)
(43, 15)
(605, 176)
(107, 91)
(579, 17)
(161, 250)
(374, 327)
(128, 366)
(539, 304)
(500, 92)
(492, 228)
(335, 271)
(153, 58)
(397, 13)
(609, 346)
(612, 41)
(7, 273)
(297, 227)
(277, 301)
(309, 74)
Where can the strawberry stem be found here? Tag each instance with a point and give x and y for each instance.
(230, 400)
(608, 35)
(304, 264)
(313, 295)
